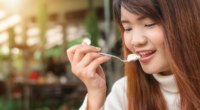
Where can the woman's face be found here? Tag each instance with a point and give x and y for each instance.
(145, 37)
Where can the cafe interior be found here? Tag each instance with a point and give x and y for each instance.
(35, 73)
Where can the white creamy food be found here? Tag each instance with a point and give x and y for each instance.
(133, 57)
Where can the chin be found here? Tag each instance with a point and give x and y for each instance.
(150, 71)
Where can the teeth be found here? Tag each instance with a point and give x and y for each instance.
(144, 53)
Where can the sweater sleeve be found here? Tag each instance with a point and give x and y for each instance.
(84, 105)
(116, 100)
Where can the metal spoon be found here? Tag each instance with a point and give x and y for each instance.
(128, 60)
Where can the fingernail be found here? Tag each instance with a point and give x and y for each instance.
(84, 43)
(97, 48)
(108, 57)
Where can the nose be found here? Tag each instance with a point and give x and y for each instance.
(138, 40)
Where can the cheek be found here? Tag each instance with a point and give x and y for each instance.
(157, 36)
(128, 45)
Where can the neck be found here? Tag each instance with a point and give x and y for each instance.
(165, 73)
(166, 82)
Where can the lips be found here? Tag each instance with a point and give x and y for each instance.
(146, 55)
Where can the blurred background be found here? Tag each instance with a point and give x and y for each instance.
(35, 73)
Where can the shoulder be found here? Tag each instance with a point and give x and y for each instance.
(120, 84)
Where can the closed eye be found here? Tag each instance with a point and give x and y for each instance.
(129, 29)
(150, 25)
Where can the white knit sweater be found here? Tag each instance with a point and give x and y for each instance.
(117, 99)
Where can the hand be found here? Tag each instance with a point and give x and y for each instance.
(85, 62)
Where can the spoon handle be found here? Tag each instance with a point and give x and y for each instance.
(113, 56)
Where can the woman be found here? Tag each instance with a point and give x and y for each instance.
(166, 34)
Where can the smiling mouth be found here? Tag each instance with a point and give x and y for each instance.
(146, 53)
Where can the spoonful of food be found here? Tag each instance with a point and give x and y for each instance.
(131, 57)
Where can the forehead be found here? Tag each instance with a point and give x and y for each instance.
(128, 16)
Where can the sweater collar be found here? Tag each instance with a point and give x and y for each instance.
(167, 83)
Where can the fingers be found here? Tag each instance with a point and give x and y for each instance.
(84, 43)
(85, 59)
(89, 65)
(81, 51)
(95, 63)
(88, 58)
(71, 51)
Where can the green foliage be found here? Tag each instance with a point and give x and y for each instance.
(55, 51)
(91, 25)
(43, 108)
(75, 42)
(17, 61)
(16, 104)
(2, 104)
(38, 55)
(10, 104)
(78, 104)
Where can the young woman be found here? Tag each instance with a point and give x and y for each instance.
(166, 34)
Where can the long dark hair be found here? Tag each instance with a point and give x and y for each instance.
(180, 20)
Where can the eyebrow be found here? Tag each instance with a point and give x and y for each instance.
(140, 18)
